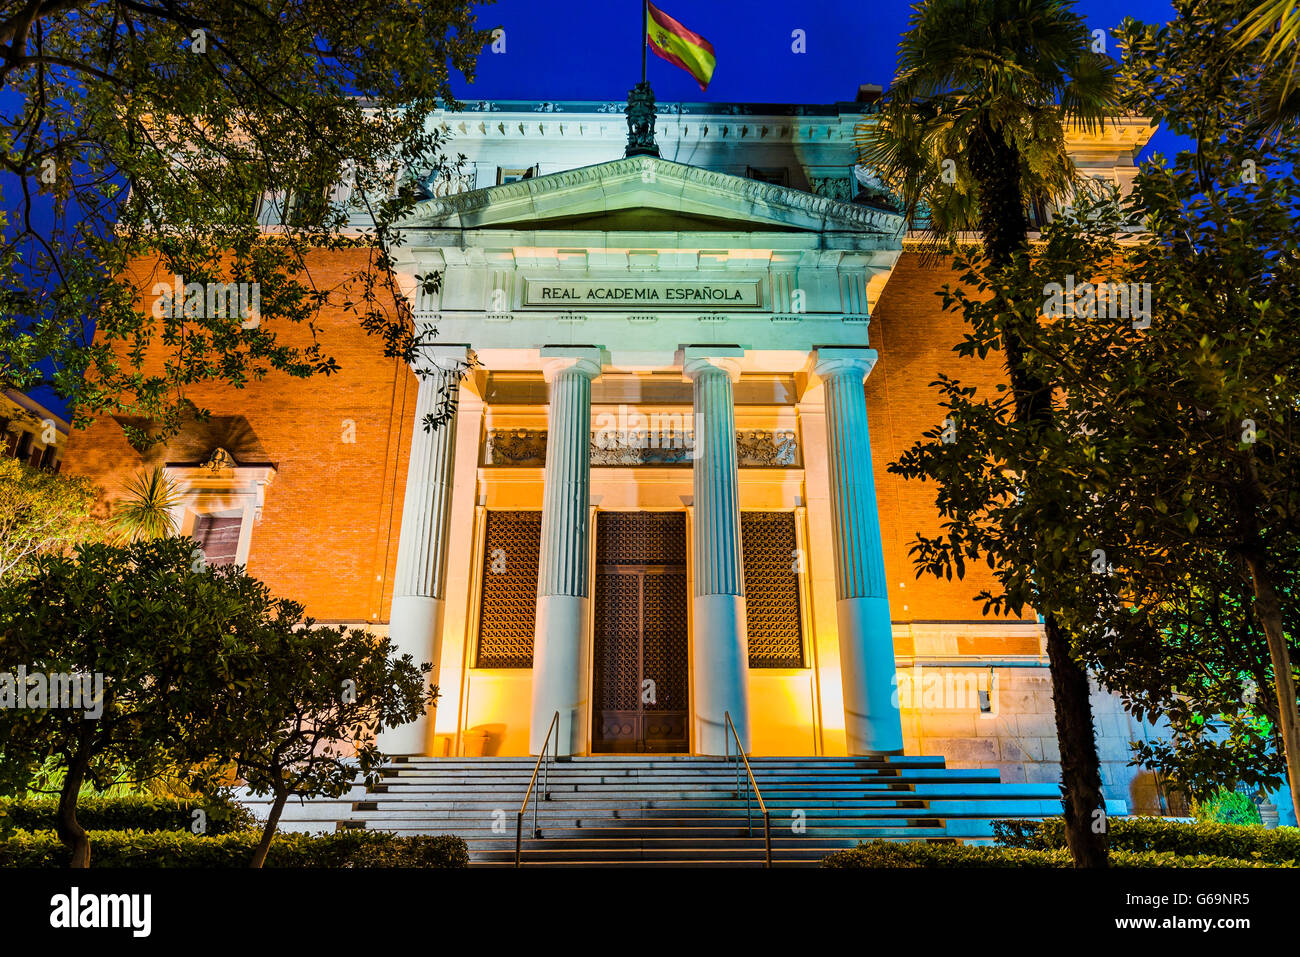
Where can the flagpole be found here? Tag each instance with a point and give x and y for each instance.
(645, 13)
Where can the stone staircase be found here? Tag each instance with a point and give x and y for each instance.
(675, 811)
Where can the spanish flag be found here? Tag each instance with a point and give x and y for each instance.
(673, 42)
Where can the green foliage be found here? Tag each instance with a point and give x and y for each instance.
(1228, 806)
(1277, 845)
(926, 855)
(155, 849)
(161, 635)
(41, 513)
(200, 668)
(1154, 512)
(145, 511)
(222, 814)
(985, 89)
(142, 140)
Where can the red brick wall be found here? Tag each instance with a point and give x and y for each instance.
(328, 533)
(915, 339)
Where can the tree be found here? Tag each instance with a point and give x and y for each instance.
(310, 703)
(143, 140)
(1161, 522)
(137, 649)
(41, 513)
(1209, 411)
(973, 128)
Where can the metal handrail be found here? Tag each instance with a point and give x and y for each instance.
(546, 791)
(750, 784)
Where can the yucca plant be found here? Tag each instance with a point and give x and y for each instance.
(145, 512)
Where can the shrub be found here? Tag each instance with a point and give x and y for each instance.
(1280, 845)
(154, 849)
(1226, 806)
(923, 854)
(131, 812)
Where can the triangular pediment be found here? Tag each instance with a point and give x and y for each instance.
(621, 193)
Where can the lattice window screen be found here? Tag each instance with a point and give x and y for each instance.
(769, 547)
(509, 601)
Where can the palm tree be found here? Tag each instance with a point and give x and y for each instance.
(1283, 45)
(145, 512)
(974, 128)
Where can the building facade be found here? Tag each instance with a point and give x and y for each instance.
(661, 506)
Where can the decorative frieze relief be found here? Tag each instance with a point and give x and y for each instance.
(755, 448)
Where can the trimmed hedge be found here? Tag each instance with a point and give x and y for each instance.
(924, 854)
(133, 812)
(153, 849)
(1242, 842)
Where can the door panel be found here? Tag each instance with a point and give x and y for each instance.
(641, 679)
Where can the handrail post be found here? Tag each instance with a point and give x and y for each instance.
(543, 765)
(767, 835)
(752, 792)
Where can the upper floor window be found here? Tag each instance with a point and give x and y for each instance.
(508, 175)
(777, 175)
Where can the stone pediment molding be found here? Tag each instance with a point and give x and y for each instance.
(649, 182)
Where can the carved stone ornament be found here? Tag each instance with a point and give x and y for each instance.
(220, 459)
(641, 121)
(755, 448)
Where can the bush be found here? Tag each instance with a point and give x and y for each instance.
(132, 812)
(1161, 835)
(923, 854)
(154, 849)
(1226, 806)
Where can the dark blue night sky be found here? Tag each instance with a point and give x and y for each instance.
(589, 49)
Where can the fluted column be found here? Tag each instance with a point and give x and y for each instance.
(719, 646)
(871, 718)
(418, 586)
(561, 650)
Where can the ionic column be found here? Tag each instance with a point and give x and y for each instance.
(415, 622)
(719, 646)
(561, 651)
(871, 718)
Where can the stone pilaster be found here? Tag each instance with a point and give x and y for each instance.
(719, 647)
(418, 585)
(871, 715)
(561, 650)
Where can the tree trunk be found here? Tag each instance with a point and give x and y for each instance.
(70, 831)
(1269, 609)
(1005, 231)
(1085, 828)
(268, 832)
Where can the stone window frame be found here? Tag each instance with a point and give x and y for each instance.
(220, 488)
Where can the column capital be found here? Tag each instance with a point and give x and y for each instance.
(697, 360)
(832, 361)
(444, 357)
(586, 360)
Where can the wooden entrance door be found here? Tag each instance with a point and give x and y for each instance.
(641, 684)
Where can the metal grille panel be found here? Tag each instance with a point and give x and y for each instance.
(664, 650)
(509, 602)
(641, 538)
(770, 549)
(617, 610)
